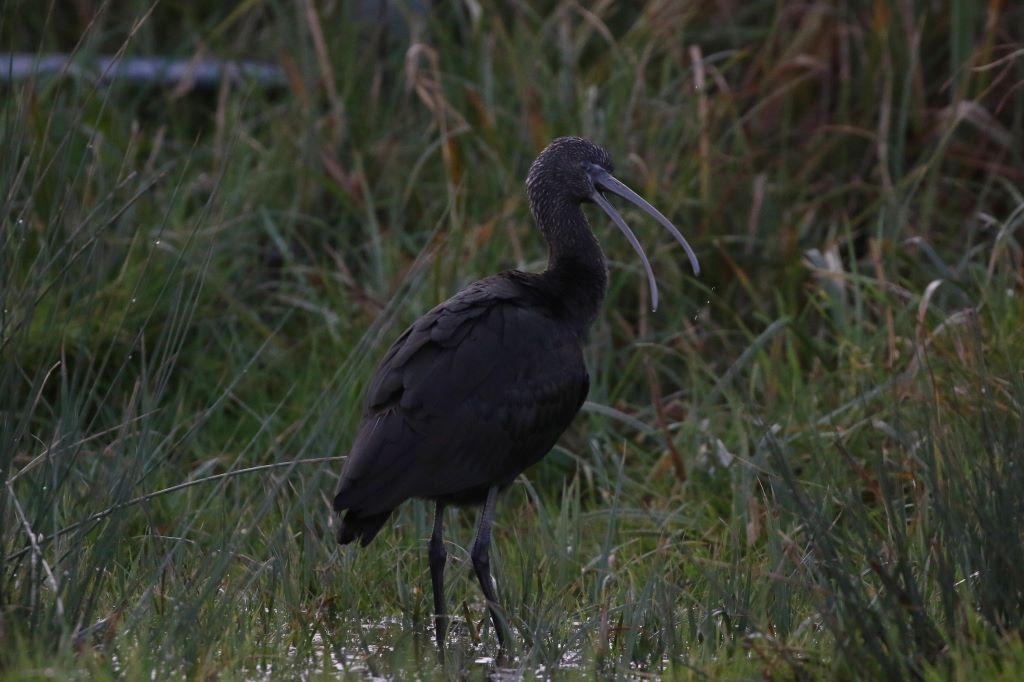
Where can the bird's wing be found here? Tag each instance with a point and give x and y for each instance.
(474, 392)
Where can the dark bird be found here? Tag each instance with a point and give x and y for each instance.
(482, 386)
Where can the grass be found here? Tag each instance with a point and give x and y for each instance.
(805, 465)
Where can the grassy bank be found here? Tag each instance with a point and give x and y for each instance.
(805, 465)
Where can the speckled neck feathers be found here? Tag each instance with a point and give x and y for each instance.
(556, 187)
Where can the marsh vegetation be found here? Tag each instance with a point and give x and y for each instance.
(806, 465)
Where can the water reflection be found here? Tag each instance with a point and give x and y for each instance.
(394, 647)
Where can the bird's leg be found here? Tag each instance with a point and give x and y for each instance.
(438, 556)
(482, 563)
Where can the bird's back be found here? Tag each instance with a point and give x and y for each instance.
(473, 393)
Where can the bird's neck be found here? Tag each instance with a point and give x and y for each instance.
(577, 271)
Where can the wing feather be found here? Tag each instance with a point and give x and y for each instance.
(477, 390)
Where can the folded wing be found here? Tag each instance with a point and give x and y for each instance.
(477, 390)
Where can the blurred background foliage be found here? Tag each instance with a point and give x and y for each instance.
(805, 464)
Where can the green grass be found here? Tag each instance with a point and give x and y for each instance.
(805, 465)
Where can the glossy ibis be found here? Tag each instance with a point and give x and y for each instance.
(482, 386)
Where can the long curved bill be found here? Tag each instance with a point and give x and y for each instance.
(603, 180)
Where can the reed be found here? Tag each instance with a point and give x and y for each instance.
(804, 466)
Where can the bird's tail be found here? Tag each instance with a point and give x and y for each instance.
(362, 528)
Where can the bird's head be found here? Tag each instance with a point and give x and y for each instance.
(573, 170)
(567, 168)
